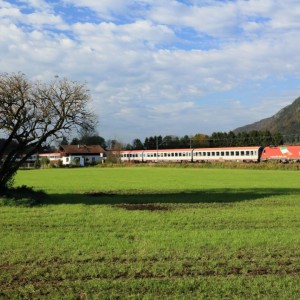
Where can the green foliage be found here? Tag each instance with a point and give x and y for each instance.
(76, 162)
(217, 139)
(251, 138)
(44, 161)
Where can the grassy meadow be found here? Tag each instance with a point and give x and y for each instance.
(153, 233)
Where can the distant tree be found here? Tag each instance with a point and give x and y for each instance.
(171, 142)
(114, 147)
(128, 147)
(94, 140)
(200, 140)
(277, 139)
(137, 144)
(89, 136)
(64, 141)
(266, 138)
(217, 139)
(231, 139)
(152, 143)
(185, 142)
(75, 141)
(44, 161)
(32, 113)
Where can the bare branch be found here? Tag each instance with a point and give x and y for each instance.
(33, 112)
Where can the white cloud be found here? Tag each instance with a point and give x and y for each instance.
(140, 72)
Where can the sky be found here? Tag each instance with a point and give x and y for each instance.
(161, 67)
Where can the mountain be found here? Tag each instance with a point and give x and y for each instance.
(286, 121)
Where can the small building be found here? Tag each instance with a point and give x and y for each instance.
(81, 155)
(54, 158)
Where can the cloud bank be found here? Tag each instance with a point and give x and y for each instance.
(157, 66)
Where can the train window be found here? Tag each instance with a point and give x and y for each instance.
(165, 154)
(227, 153)
(232, 153)
(172, 154)
(242, 153)
(176, 154)
(217, 153)
(154, 154)
(180, 153)
(213, 154)
(222, 153)
(237, 153)
(204, 153)
(251, 152)
(247, 152)
(169, 154)
(208, 153)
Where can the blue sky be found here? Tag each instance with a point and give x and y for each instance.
(161, 66)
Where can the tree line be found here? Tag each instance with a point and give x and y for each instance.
(216, 139)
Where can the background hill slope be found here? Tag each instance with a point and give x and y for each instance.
(286, 121)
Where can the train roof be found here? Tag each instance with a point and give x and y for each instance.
(194, 149)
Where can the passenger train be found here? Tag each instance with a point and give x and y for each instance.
(238, 154)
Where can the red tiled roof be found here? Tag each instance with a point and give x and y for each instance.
(82, 149)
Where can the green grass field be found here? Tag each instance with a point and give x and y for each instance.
(153, 233)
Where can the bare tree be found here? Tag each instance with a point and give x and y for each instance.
(32, 113)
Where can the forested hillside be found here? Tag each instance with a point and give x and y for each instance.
(286, 122)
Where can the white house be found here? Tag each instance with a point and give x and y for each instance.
(81, 154)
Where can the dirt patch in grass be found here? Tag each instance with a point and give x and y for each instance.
(150, 207)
